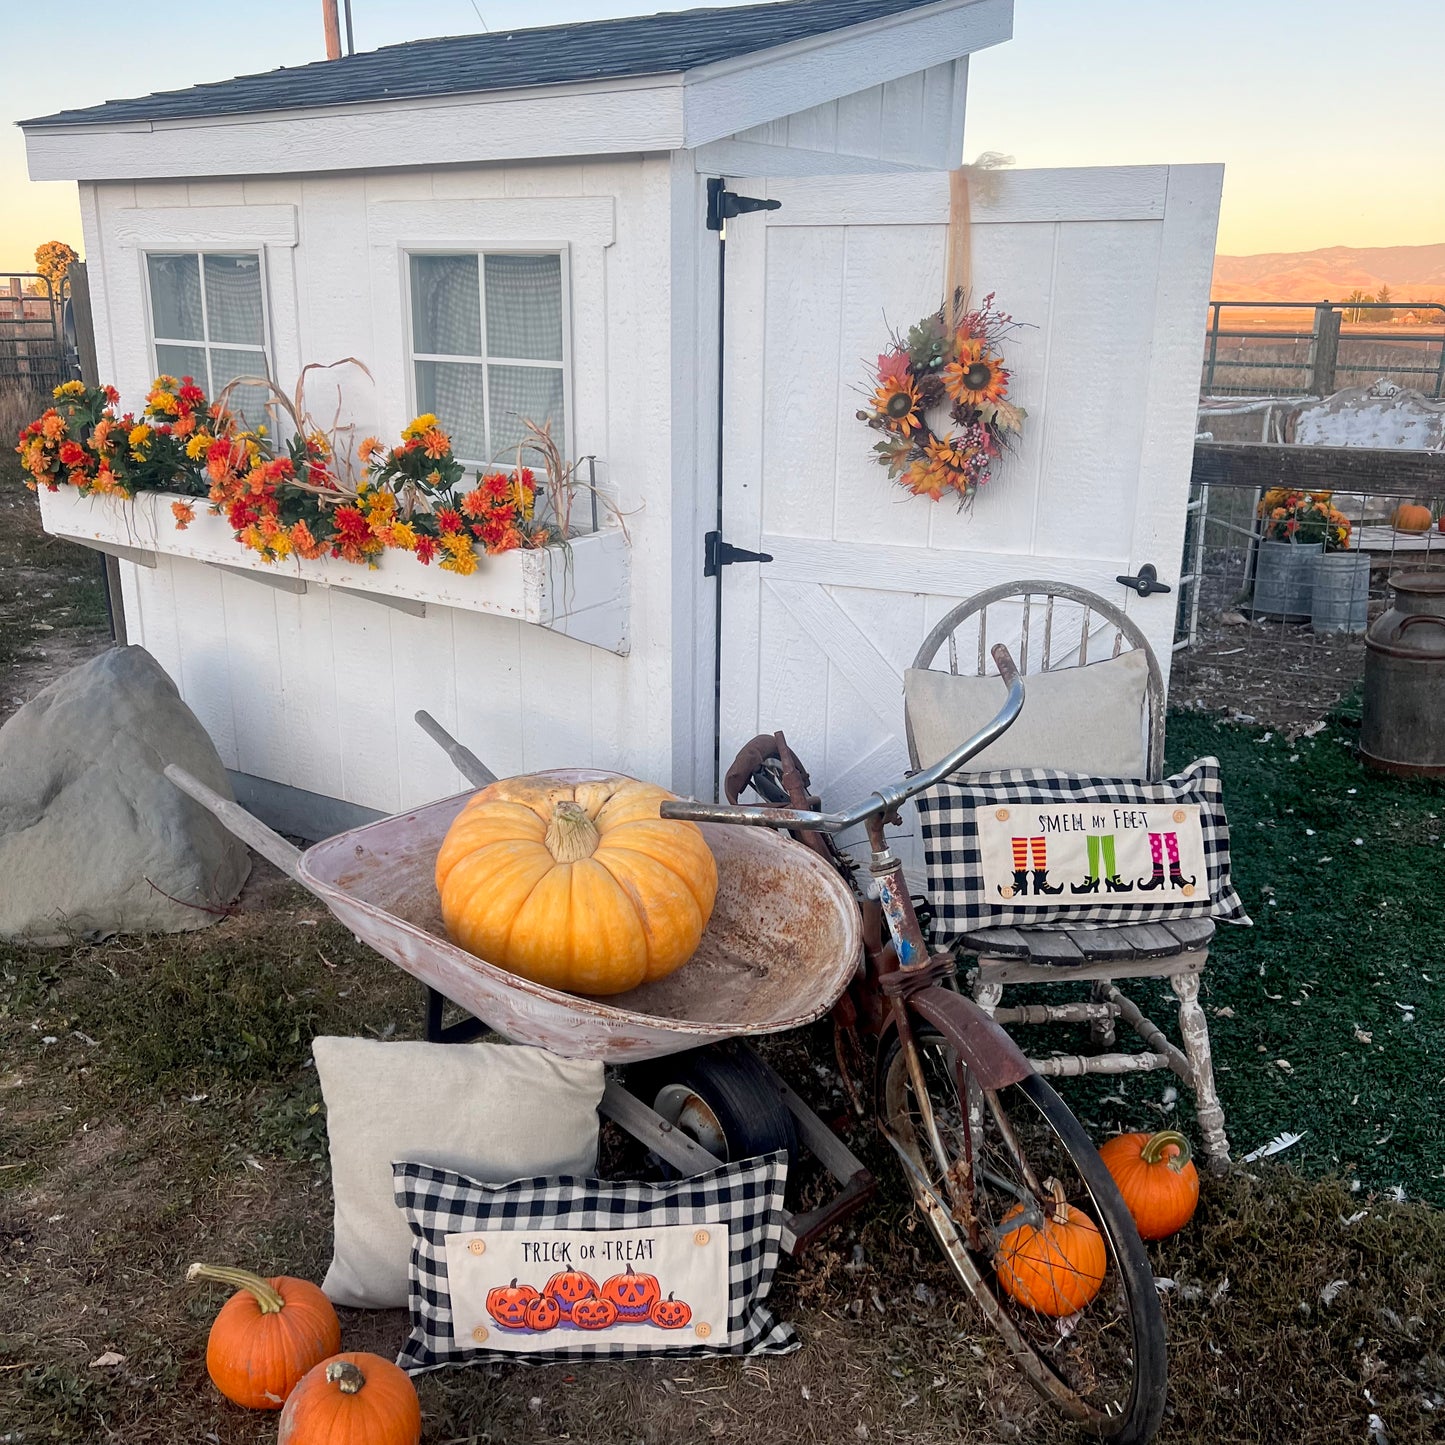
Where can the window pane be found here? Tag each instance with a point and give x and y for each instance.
(446, 308)
(533, 392)
(233, 298)
(452, 391)
(175, 297)
(248, 402)
(184, 361)
(524, 307)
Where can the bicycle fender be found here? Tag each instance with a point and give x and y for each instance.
(992, 1056)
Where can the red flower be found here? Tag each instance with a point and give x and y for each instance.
(474, 504)
(112, 396)
(449, 520)
(496, 487)
(190, 393)
(352, 528)
(426, 548)
(71, 453)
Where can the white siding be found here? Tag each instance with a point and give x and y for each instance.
(318, 690)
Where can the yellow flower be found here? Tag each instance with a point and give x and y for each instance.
(403, 535)
(380, 507)
(198, 446)
(461, 558)
(319, 443)
(424, 423)
(69, 388)
(140, 439)
(162, 402)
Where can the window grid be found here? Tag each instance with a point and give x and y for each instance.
(205, 343)
(485, 360)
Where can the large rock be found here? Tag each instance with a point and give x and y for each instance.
(93, 837)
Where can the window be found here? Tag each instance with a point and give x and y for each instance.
(488, 348)
(208, 321)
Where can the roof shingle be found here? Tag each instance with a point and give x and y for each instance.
(551, 55)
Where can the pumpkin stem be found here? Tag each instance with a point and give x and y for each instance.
(267, 1295)
(571, 835)
(1153, 1151)
(1061, 1204)
(346, 1376)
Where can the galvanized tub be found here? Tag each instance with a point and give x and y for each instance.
(1284, 574)
(1403, 727)
(782, 945)
(1340, 599)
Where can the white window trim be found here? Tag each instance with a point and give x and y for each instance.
(267, 346)
(481, 250)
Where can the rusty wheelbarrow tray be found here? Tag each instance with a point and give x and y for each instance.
(782, 945)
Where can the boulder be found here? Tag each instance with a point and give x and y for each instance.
(94, 840)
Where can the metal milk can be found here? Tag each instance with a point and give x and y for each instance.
(1403, 728)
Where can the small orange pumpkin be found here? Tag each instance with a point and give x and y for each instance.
(568, 1286)
(671, 1313)
(1157, 1178)
(266, 1336)
(544, 1313)
(633, 1294)
(1411, 517)
(1056, 1269)
(594, 1314)
(507, 1304)
(352, 1397)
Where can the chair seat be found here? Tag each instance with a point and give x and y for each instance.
(1092, 942)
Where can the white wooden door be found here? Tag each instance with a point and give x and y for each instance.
(1109, 268)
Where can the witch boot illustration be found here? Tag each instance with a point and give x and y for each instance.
(1112, 882)
(1090, 883)
(1020, 886)
(1176, 874)
(1041, 868)
(1156, 854)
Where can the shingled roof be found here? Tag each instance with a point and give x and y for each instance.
(505, 60)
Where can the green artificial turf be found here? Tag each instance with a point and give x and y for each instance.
(1342, 977)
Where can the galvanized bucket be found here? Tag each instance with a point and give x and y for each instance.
(1340, 601)
(1403, 727)
(1284, 574)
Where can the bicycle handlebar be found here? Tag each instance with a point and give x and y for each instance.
(885, 800)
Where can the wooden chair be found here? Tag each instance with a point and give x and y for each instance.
(1053, 626)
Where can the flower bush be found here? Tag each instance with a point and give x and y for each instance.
(295, 500)
(1304, 517)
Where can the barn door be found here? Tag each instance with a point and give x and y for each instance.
(1109, 268)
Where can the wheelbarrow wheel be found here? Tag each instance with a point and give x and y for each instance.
(1094, 1349)
(722, 1098)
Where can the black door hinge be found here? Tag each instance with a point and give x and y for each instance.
(717, 554)
(723, 204)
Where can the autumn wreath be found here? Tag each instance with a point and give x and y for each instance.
(950, 365)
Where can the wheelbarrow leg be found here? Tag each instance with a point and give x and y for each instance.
(471, 767)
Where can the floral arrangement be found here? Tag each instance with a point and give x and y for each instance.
(305, 498)
(950, 361)
(1294, 516)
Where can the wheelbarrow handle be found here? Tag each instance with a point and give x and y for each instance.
(471, 767)
(250, 830)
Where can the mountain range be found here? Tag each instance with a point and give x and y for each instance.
(1413, 273)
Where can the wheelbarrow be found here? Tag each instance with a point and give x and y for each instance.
(782, 945)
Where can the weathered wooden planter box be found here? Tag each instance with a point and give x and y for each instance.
(580, 590)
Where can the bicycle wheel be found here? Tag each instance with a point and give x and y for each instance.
(1096, 1350)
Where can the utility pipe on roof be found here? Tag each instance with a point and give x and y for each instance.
(332, 21)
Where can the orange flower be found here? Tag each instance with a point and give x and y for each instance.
(436, 442)
(370, 446)
(305, 544)
(977, 378)
(52, 428)
(896, 400)
(184, 514)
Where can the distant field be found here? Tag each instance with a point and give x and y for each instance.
(1257, 365)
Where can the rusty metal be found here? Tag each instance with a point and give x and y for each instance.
(1402, 727)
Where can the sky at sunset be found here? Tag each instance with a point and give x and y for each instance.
(1328, 122)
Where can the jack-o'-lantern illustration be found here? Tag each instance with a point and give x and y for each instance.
(633, 1294)
(507, 1304)
(671, 1313)
(594, 1314)
(569, 1286)
(543, 1313)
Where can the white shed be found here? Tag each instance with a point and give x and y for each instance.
(566, 171)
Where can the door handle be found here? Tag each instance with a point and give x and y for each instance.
(1146, 582)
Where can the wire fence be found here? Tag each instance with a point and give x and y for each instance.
(34, 354)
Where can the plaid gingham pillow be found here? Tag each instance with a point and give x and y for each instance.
(746, 1197)
(955, 874)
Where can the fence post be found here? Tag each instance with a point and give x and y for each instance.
(1326, 349)
(79, 280)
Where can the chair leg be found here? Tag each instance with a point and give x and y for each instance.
(1101, 1031)
(1194, 1028)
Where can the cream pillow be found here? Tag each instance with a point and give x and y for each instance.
(1077, 720)
(496, 1112)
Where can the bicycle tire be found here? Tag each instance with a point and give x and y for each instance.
(1132, 1420)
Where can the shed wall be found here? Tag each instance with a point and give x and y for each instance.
(317, 690)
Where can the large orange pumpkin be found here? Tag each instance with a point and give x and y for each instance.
(633, 1294)
(349, 1399)
(1157, 1178)
(574, 881)
(266, 1336)
(1412, 518)
(1056, 1269)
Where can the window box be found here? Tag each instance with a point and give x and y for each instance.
(580, 591)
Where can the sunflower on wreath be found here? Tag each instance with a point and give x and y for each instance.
(950, 363)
